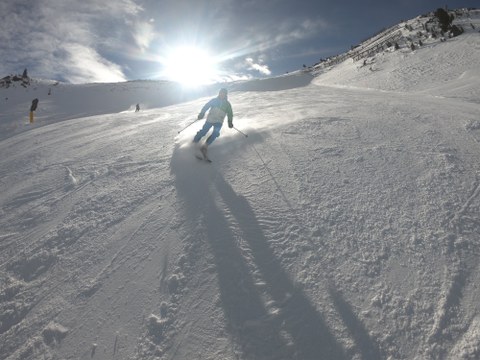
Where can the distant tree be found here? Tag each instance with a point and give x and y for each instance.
(25, 78)
(456, 30)
(444, 19)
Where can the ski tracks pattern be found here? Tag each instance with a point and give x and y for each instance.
(88, 221)
(461, 246)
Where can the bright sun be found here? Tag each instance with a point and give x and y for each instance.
(190, 66)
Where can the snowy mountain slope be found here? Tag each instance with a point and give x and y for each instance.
(59, 102)
(344, 227)
(438, 68)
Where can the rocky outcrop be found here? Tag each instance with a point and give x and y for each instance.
(12, 80)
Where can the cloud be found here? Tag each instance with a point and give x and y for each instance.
(144, 34)
(291, 31)
(68, 39)
(83, 64)
(92, 40)
(262, 68)
(270, 37)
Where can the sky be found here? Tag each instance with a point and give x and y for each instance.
(200, 41)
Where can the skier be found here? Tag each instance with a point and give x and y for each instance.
(219, 108)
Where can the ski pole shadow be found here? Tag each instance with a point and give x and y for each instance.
(359, 333)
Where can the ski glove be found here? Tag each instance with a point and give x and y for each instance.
(200, 116)
(230, 124)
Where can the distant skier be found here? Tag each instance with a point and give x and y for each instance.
(137, 108)
(219, 108)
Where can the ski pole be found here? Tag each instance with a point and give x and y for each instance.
(240, 132)
(188, 126)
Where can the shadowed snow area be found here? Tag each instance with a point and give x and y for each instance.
(343, 226)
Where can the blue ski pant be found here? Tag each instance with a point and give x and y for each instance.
(203, 131)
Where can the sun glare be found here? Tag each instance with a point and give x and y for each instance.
(190, 66)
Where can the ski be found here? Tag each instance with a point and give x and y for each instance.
(200, 157)
(203, 150)
(203, 156)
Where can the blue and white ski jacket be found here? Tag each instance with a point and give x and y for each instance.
(219, 108)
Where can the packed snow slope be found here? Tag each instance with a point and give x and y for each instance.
(345, 226)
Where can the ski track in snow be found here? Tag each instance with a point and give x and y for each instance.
(344, 227)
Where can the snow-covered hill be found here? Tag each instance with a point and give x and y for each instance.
(345, 226)
(440, 68)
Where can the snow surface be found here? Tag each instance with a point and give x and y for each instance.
(345, 226)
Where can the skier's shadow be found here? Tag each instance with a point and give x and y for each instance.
(307, 333)
(295, 329)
